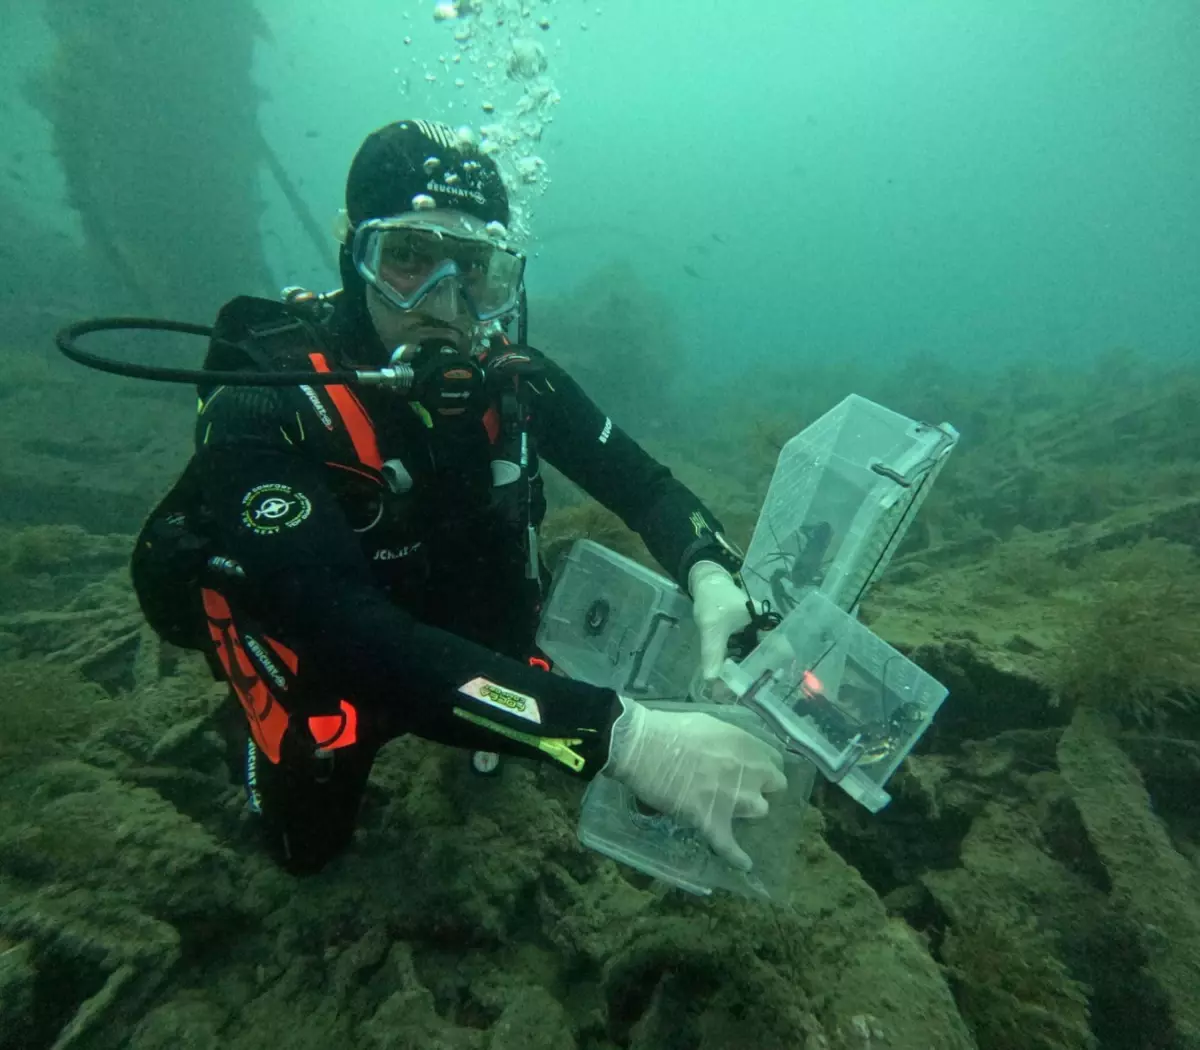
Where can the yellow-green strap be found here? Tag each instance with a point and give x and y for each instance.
(558, 748)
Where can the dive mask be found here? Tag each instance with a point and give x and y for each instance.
(406, 257)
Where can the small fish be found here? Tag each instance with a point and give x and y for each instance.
(718, 238)
(691, 272)
(313, 134)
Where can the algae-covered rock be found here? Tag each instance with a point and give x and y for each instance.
(1153, 885)
(863, 967)
(296, 1006)
(108, 834)
(830, 970)
(408, 1020)
(17, 976)
(473, 849)
(100, 960)
(529, 1016)
(184, 1022)
(96, 927)
(587, 520)
(1133, 648)
(587, 919)
(46, 710)
(1006, 861)
(691, 980)
(1013, 988)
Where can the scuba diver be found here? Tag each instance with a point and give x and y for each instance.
(359, 565)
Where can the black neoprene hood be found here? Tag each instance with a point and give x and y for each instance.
(413, 158)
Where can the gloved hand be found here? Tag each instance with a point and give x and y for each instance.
(720, 611)
(696, 769)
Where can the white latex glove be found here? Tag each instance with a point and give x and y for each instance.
(719, 609)
(696, 769)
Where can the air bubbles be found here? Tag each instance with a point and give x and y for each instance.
(465, 136)
(530, 168)
(499, 42)
(526, 60)
(408, 39)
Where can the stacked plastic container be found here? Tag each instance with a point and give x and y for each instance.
(829, 694)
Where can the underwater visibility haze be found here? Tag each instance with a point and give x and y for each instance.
(713, 223)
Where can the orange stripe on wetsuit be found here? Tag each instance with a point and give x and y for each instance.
(354, 418)
(268, 719)
(267, 716)
(334, 731)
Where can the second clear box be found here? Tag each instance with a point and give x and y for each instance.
(612, 622)
(838, 695)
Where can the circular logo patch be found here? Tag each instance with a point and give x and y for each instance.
(266, 509)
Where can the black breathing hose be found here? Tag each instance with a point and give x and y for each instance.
(396, 377)
(67, 341)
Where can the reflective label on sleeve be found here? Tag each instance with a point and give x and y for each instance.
(505, 699)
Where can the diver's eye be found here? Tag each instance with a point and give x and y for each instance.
(473, 261)
(407, 261)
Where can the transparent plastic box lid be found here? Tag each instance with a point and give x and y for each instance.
(612, 622)
(837, 694)
(614, 823)
(844, 492)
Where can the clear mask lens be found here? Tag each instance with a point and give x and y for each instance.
(406, 262)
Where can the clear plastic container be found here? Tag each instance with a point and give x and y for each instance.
(612, 622)
(826, 691)
(843, 494)
(838, 695)
(614, 823)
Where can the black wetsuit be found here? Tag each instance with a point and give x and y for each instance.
(345, 611)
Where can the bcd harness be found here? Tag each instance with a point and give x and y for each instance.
(274, 338)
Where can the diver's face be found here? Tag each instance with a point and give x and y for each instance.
(441, 314)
